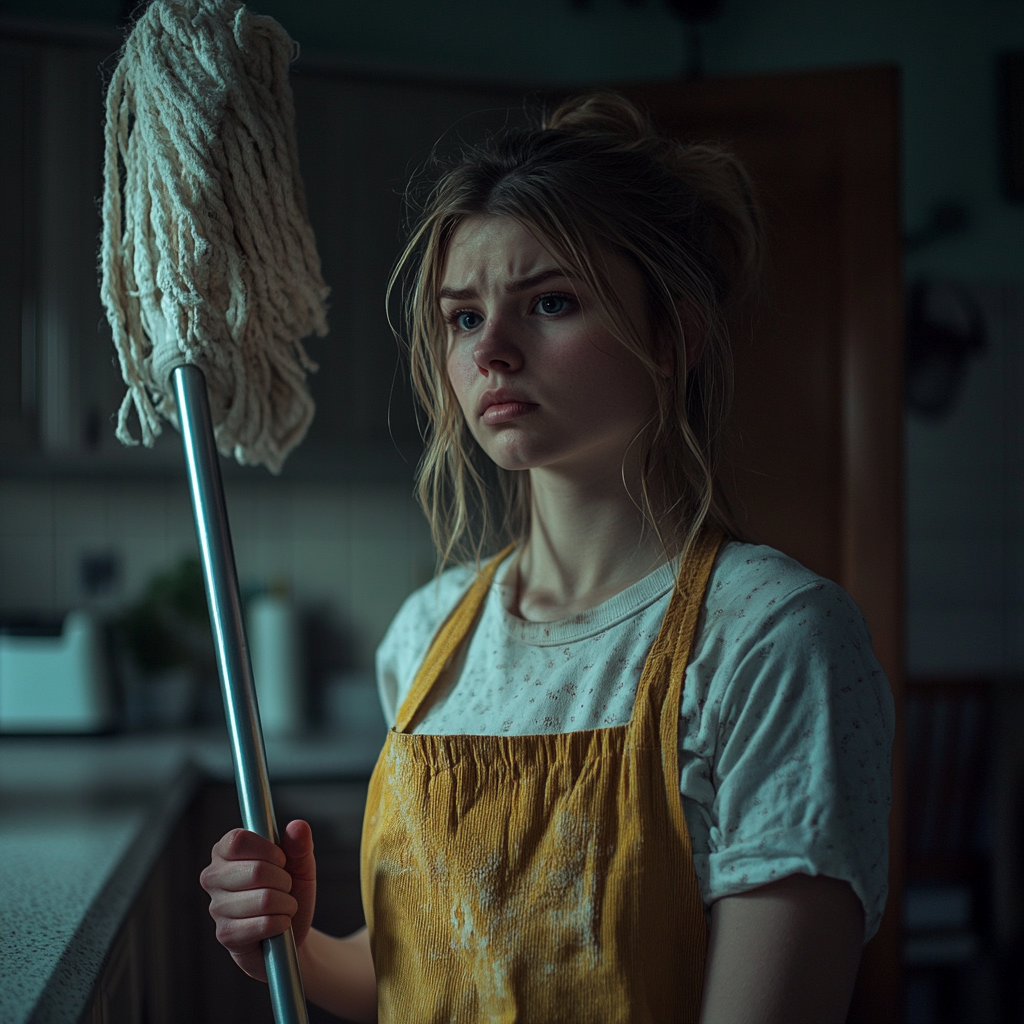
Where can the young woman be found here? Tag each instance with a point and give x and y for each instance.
(639, 770)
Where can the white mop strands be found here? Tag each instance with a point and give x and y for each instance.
(207, 253)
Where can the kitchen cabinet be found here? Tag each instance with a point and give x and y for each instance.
(50, 314)
(19, 103)
(360, 134)
(151, 970)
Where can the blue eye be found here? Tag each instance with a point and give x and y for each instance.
(467, 320)
(551, 305)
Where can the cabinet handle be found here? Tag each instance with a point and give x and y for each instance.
(29, 354)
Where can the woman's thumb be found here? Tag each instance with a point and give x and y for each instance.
(297, 844)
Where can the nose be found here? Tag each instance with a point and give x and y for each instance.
(496, 351)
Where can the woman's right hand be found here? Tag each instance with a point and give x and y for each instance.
(257, 890)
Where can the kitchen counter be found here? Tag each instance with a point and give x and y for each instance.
(83, 821)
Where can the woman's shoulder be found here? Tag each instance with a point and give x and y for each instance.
(766, 617)
(755, 589)
(742, 570)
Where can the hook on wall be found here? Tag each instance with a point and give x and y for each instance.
(694, 13)
(947, 218)
(945, 327)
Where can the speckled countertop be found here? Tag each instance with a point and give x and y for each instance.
(82, 822)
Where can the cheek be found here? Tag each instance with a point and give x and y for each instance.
(462, 372)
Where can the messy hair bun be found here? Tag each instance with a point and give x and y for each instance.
(595, 176)
(718, 181)
(602, 113)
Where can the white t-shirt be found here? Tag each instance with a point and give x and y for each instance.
(786, 723)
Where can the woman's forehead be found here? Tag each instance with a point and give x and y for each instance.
(494, 254)
(487, 250)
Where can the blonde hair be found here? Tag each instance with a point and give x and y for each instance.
(594, 178)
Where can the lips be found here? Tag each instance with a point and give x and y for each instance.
(503, 404)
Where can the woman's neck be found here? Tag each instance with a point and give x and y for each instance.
(588, 541)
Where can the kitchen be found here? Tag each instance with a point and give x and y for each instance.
(337, 541)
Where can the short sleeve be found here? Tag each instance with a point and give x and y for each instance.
(797, 726)
(404, 646)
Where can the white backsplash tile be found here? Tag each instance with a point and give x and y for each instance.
(26, 508)
(355, 552)
(27, 573)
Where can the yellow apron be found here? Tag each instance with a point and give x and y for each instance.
(538, 878)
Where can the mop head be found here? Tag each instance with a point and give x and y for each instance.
(207, 253)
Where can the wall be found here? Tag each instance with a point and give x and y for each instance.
(964, 507)
(965, 510)
(946, 51)
(965, 504)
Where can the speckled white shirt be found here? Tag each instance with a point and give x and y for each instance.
(786, 724)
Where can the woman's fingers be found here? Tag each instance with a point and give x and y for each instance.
(242, 937)
(239, 875)
(240, 844)
(297, 842)
(245, 919)
(252, 903)
(242, 860)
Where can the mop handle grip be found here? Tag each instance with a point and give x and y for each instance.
(233, 663)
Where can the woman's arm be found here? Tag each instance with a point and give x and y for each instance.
(338, 974)
(784, 953)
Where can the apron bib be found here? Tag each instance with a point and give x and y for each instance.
(545, 877)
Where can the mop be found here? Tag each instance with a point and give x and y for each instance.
(210, 279)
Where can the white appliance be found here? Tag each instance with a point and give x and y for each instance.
(55, 684)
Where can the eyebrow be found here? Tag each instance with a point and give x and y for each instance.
(522, 285)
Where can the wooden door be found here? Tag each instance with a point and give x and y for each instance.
(816, 444)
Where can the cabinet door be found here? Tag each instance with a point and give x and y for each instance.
(79, 383)
(359, 144)
(816, 463)
(60, 387)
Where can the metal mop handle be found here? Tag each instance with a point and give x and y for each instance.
(233, 663)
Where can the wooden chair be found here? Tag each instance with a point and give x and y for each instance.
(947, 894)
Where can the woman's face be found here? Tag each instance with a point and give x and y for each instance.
(542, 384)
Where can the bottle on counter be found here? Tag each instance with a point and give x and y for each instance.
(275, 647)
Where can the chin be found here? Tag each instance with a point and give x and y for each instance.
(514, 465)
(515, 458)
(518, 450)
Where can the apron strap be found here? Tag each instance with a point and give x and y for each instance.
(660, 691)
(684, 608)
(444, 645)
